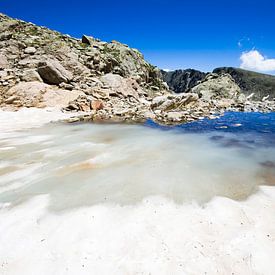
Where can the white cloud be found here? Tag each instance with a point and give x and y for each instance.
(167, 70)
(254, 60)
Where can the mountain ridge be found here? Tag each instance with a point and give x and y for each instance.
(250, 82)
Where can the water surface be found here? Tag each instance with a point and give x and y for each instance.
(86, 164)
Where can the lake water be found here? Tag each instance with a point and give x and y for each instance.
(138, 199)
(85, 164)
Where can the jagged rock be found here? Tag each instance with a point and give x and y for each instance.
(87, 40)
(216, 87)
(52, 72)
(181, 81)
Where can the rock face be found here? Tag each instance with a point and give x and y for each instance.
(30, 53)
(37, 94)
(260, 85)
(181, 81)
(216, 86)
(107, 81)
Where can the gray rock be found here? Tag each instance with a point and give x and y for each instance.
(175, 116)
(217, 87)
(4, 64)
(52, 72)
(31, 75)
(30, 50)
(158, 100)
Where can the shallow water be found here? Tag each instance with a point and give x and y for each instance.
(86, 164)
(127, 199)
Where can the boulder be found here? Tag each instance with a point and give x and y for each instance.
(119, 85)
(60, 98)
(30, 50)
(217, 87)
(28, 94)
(52, 72)
(87, 40)
(37, 94)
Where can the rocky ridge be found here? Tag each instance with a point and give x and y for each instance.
(257, 85)
(107, 81)
(181, 81)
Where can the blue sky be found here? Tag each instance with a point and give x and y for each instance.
(171, 34)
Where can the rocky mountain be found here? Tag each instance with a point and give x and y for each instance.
(29, 53)
(260, 85)
(256, 85)
(101, 81)
(181, 81)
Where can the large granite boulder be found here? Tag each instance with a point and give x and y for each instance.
(52, 72)
(217, 87)
(119, 85)
(37, 94)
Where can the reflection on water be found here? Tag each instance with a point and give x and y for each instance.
(85, 164)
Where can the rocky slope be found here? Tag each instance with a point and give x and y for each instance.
(107, 81)
(181, 81)
(260, 85)
(29, 53)
(253, 84)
